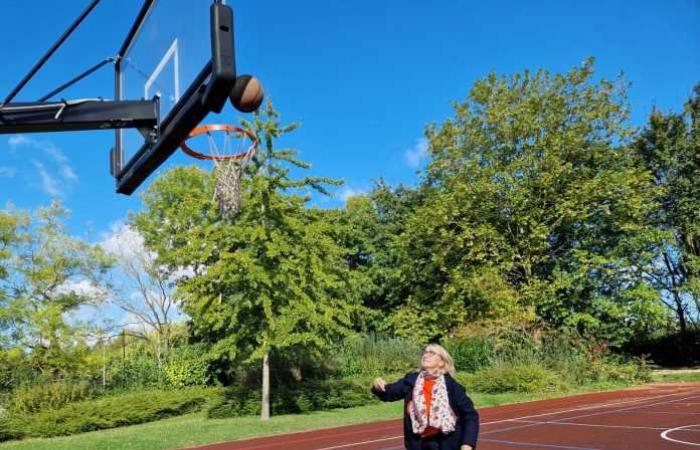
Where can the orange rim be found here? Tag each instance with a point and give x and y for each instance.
(202, 129)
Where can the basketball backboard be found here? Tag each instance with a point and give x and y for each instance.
(175, 66)
(180, 53)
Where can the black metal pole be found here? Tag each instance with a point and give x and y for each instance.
(75, 80)
(51, 51)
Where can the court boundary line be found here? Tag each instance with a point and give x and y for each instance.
(671, 430)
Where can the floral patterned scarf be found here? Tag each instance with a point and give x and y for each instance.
(441, 414)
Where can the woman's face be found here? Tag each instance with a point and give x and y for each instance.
(431, 361)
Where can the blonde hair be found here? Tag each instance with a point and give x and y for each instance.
(446, 358)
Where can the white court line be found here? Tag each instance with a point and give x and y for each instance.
(664, 435)
(523, 417)
(591, 415)
(360, 443)
(585, 408)
(631, 427)
(566, 447)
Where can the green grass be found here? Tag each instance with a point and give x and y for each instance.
(195, 429)
(676, 377)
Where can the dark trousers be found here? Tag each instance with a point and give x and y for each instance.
(430, 443)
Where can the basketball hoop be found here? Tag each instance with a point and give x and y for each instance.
(229, 165)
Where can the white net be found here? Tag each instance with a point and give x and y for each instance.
(229, 165)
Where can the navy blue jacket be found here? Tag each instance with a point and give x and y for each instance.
(466, 428)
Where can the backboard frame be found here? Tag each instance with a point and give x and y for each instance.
(207, 93)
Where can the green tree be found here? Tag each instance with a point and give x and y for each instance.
(670, 148)
(47, 275)
(272, 278)
(535, 206)
(369, 230)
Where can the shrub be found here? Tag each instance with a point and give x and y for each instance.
(517, 378)
(139, 373)
(470, 354)
(307, 396)
(31, 399)
(111, 411)
(188, 366)
(374, 354)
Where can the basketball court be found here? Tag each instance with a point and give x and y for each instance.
(660, 416)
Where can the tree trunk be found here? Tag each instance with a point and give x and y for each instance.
(265, 407)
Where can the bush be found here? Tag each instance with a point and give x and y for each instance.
(140, 373)
(188, 366)
(373, 355)
(32, 399)
(111, 411)
(517, 378)
(617, 369)
(307, 396)
(470, 354)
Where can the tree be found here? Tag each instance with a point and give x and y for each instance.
(534, 207)
(147, 296)
(48, 274)
(369, 230)
(670, 148)
(272, 278)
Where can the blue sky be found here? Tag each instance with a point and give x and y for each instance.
(362, 77)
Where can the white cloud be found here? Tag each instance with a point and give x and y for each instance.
(68, 173)
(48, 182)
(16, 141)
(414, 156)
(123, 241)
(8, 172)
(84, 288)
(346, 192)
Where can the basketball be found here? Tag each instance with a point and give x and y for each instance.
(247, 93)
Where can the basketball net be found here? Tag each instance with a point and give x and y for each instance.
(228, 166)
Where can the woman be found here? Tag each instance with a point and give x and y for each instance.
(438, 414)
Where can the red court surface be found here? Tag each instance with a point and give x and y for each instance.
(659, 416)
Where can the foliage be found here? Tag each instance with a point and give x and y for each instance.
(52, 395)
(188, 366)
(514, 378)
(138, 373)
(49, 274)
(470, 354)
(670, 149)
(313, 395)
(371, 354)
(535, 206)
(111, 411)
(369, 230)
(271, 277)
(669, 350)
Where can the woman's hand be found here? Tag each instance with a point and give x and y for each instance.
(378, 384)
(465, 447)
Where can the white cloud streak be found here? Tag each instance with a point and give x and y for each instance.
(346, 192)
(48, 182)
(413, 156)
(52, 181)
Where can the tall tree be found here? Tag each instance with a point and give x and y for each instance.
(272, 278)
(369, 230)
(670, 148)
(534, 207)
(49, 275)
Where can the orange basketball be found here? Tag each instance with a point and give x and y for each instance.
(247, 93)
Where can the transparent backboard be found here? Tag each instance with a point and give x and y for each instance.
(169, 50)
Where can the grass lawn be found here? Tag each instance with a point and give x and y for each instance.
(195, 429)
(677, 376)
